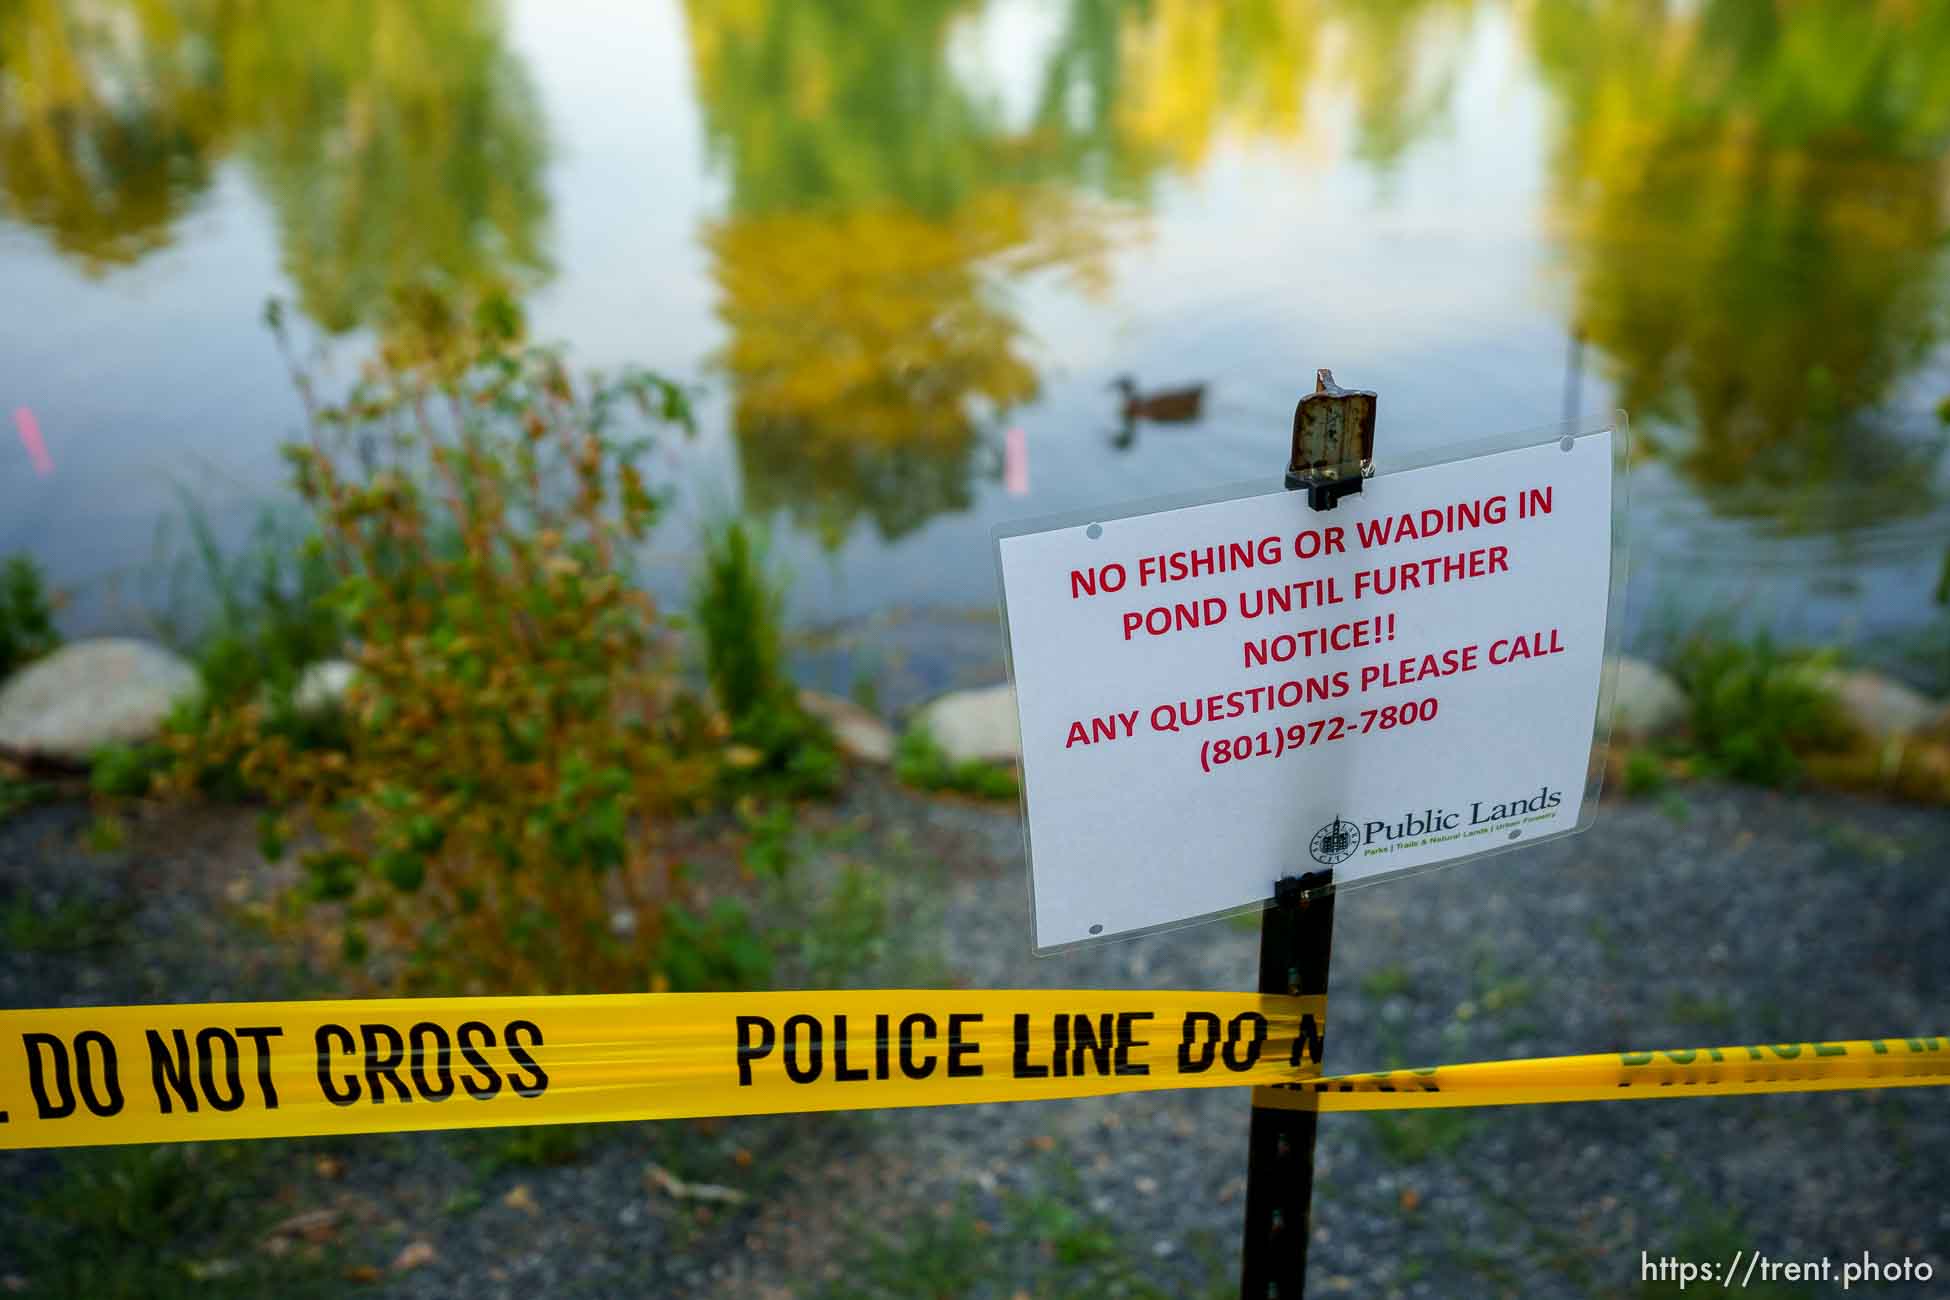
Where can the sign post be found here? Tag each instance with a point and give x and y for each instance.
(1296, 937)
(1333, 449)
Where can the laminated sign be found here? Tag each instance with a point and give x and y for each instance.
(1215, 696)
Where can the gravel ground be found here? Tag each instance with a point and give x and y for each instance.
(1715, 915)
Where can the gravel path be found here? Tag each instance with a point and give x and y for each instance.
(1716, 915)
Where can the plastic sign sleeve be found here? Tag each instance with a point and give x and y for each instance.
(88, 1076)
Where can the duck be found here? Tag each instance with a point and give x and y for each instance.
(1165, 406)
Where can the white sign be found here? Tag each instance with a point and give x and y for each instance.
(1218, 696)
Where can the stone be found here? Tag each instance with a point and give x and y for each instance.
(1879, 707)
(88, 694)
(978, 724)
(323, 685)
(859, 733)
(1647, 701)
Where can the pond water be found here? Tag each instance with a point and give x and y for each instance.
(905, 246)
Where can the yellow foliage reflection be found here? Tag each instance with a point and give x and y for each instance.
(105, 131)
(398, 142)
(879, 209)
(864, 341)
(1751, 199)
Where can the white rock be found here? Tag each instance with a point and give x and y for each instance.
(322, 685)
(88, 694)
(978, 724)
(1648, 701)
(860, 734)
(1879, 707)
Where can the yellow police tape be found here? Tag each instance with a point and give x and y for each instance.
(103, 1075)
(1628, 1076)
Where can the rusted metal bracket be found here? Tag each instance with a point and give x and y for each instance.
(1333, 442)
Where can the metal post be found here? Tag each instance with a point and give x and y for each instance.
(1296, 937)
(1332, 455)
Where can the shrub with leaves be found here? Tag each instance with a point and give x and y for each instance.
(513, 735)
(26, 615)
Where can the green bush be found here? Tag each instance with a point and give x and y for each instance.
(920, 762)
(516, 733)
(26, 614)
(776, 746)
(1755, 708)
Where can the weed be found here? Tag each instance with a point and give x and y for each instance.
(1701, 1012)
(716, 947)
(1755, 708)
(107, 833)
(539, 1146)
(1645, 774)
(26, 614)
(920, 762)
(1390, 981)
(161, 1221)
(1414, 1136)
(1046, 1240)
(70, 925)
(17, 795)
(845, 933)
(1709, 1232)
(258, 614)
(127, 771)
(737, 603)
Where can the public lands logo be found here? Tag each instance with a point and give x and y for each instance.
(1338, 839)
(1335, 842)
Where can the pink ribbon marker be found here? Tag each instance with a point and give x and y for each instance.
(30, 438)
(1015, 462)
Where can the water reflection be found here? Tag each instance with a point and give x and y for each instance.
(1748, 202)
(399, 145)
(1751, 199)
(106, 129)
(881, 205)
(874, 212)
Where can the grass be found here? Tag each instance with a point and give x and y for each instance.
(737, 603)
(254, 617)
(1024, 1243)
(71, 925)
(1413, 1137)
(1390, 981)
(26, 614)
(919, 761)
(1716, 1236)
(18, 795)
(541, 1146)
(1756, 708)
(1709, 1013)
(1645, 774)
(162, 1222)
